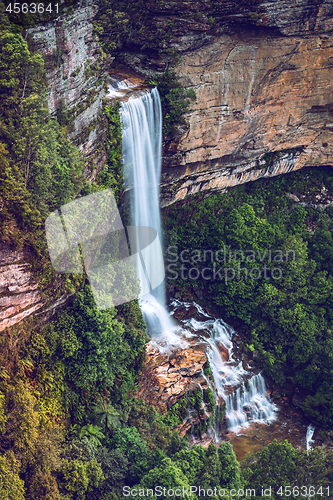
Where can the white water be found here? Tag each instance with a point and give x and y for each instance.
(249, 402)
(309, 433)
(116, 88)
(141, 144)
(142, 153)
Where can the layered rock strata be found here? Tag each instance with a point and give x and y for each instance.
(264, 107)
(76, 79)
(20, 293)
(261, 71)
(167, 376)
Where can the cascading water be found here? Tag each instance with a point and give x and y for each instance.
(141, 151)
(249, 402)
(141, 144)
(309, 434)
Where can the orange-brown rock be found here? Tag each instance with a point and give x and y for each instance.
(168, 376)
(256, 93)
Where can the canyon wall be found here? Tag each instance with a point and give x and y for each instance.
(262, 75)
(256, 95)
(76, 79)
(21, 294)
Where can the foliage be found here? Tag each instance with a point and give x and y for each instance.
(107, 416)
(23, 420)
(11, 486)
(39, 168)
(285, 316)
(281, 469)
(43, 486)
(179, 411)
(79, 477)
(111, 175)
(93, 432)
(120, 23)
(102, 352)
(167, 475)
(175, 101)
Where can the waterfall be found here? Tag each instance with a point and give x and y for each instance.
(142, 153)
(249, 404)
(309, 433)
(245, 396)
(141, 148)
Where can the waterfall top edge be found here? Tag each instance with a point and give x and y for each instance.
(123, 89)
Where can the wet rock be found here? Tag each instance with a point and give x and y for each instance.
(168, 376)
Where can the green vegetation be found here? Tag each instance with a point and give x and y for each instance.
(39, 168)
(175, 102)
(285, 314)
(111, 175)
(178, 412)
(120, 23)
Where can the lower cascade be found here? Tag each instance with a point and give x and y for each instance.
(309, 434)
(249, 403)
(245, 395)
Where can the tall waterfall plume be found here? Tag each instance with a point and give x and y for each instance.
(142, 154)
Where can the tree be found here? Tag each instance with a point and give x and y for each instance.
(166, 475)
(274, 466)
(23, 420)
(43, 486)
(107, 416)
(230, 476)
(78, 478)
(93, 433)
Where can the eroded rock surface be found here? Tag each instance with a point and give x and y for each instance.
(257, 95)
(75, 78)
(20, 293)
(167, 376)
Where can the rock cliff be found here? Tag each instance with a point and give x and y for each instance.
(262, 75)
(21, 294)
(76, 75)
(261, 71)
(264, 107)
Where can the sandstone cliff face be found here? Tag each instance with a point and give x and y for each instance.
(75, 78)
(255, 95)
(261, 71)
